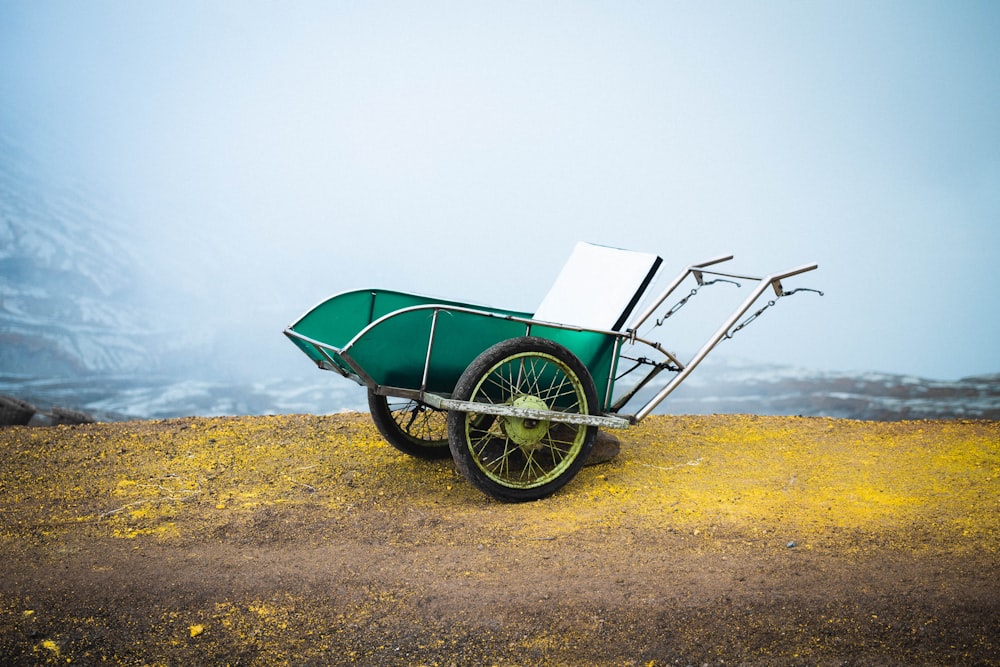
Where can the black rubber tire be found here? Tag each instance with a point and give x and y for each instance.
(501, 456)
(410, 426)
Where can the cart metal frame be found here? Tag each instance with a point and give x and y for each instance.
(411, 347)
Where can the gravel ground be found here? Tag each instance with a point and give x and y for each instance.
(302, 540)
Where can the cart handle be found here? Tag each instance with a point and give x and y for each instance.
(696, 269)
(773, 281)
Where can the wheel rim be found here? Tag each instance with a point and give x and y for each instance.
(524, 453)
(420, 423)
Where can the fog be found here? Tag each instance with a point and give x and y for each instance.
(265, 155)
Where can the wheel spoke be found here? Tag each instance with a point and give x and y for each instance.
(419, 421)
(503, 383)
(559, 388)
(530, 465)
(565, 442)
(485, 448)
(411, 426)
(559, 449)
(531, 382)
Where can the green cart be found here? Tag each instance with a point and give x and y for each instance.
(515, 398)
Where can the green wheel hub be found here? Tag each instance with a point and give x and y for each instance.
(527, 433)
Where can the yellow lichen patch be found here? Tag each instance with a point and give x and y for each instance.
(794, 476)
(299, 539)
(806, 477)
(826, 473)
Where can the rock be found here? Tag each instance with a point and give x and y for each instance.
(67, 416)
(606, 447)
(15, 412)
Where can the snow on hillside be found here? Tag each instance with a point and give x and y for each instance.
(71, 285)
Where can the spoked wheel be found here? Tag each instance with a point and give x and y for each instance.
(411, 426)
(512, 458)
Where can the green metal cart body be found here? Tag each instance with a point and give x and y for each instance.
(514, 397)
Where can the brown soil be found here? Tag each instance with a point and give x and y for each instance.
(302, 540)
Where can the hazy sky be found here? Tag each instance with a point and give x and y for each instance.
(273, 153)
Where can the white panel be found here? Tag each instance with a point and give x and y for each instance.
(596, 286)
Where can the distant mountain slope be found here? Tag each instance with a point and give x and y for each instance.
(778, 390)
(70, 284)
(717, 388)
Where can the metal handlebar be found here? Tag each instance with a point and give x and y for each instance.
(773, 281)
(665, 294)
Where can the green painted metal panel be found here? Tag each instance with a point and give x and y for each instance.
(596, 350)
(393, 351)
(340, 318)
(460, 338)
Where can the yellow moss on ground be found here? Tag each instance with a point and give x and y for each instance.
(206, 492)
(804, 477)
(811, 478)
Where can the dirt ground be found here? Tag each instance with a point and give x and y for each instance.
(302, 540)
